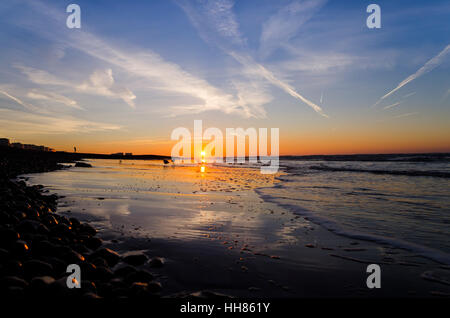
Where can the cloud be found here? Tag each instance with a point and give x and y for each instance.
(392, 105)
(19, 122)
(406, 115)
(427, 67)
(259, 69)
(101, 82)
(285, 24)
(409, 95)
(41, 77)
(53, 97)
(28, 106)
(210, 27)
(17, 100)
(446, 94)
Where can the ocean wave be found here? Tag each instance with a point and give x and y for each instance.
(336, 228)
(409, 173)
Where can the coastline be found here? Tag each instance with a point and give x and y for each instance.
(265, 252)
(37, 243)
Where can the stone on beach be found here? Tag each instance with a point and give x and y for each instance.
(156, 262)
(83, 164)
(111, 257)
(136, 259)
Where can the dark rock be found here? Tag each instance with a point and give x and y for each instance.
(93, 243)
(59, 266)
(105, 289)
(61, 230)
(12, 268)
(49, 220)
(62, 219)
(90, 295)
(85, 228)
(119, 292)
(28, 226)
(111, 257)
(98, 261)
(75, 222)
(124, 271)
(156, 262)
(44, 248)
(103, 274)
(4, 218)
(73, 257)
(88, 270)
(139, 276)
(9, 281)
(35, 268)
(138, 289)
(8, 236)
(154, 287)
(83, 164)
(33, 214)
(135, 260)
(117, 283)
(4, 255)
(14, 292)
(42, 229)
(41, 284)
(206, 294)
(88, 286)
(80, 248)
(20, 248)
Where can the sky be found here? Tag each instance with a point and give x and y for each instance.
(136, 70)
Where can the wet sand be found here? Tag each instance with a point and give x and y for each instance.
(215, 233)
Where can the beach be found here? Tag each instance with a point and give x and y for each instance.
(232, 231)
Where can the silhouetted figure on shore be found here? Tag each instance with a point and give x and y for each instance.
(74, 149)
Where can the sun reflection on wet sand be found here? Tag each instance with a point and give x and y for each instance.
(146, 198)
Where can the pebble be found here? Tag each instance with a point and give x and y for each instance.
(111, 257)
(136, 260)
(156, 262)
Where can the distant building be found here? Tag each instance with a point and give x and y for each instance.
(4, 142)
(117, 154)
(17, 145)
(128, 154)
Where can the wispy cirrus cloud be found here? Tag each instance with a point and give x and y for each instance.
(53, 97)
(285, 24)
(34, 120)
(143, 65)
(100, 82)
(18, 122)
(208, 17)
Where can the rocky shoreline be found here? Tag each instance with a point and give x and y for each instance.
(37, 244)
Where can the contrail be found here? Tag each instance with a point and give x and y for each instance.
(393, 105)
(427, 67)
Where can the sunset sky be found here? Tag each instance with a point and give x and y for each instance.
(138, 69)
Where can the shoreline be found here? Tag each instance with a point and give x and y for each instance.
(37, 243)
(291, 258)
(318, 264)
